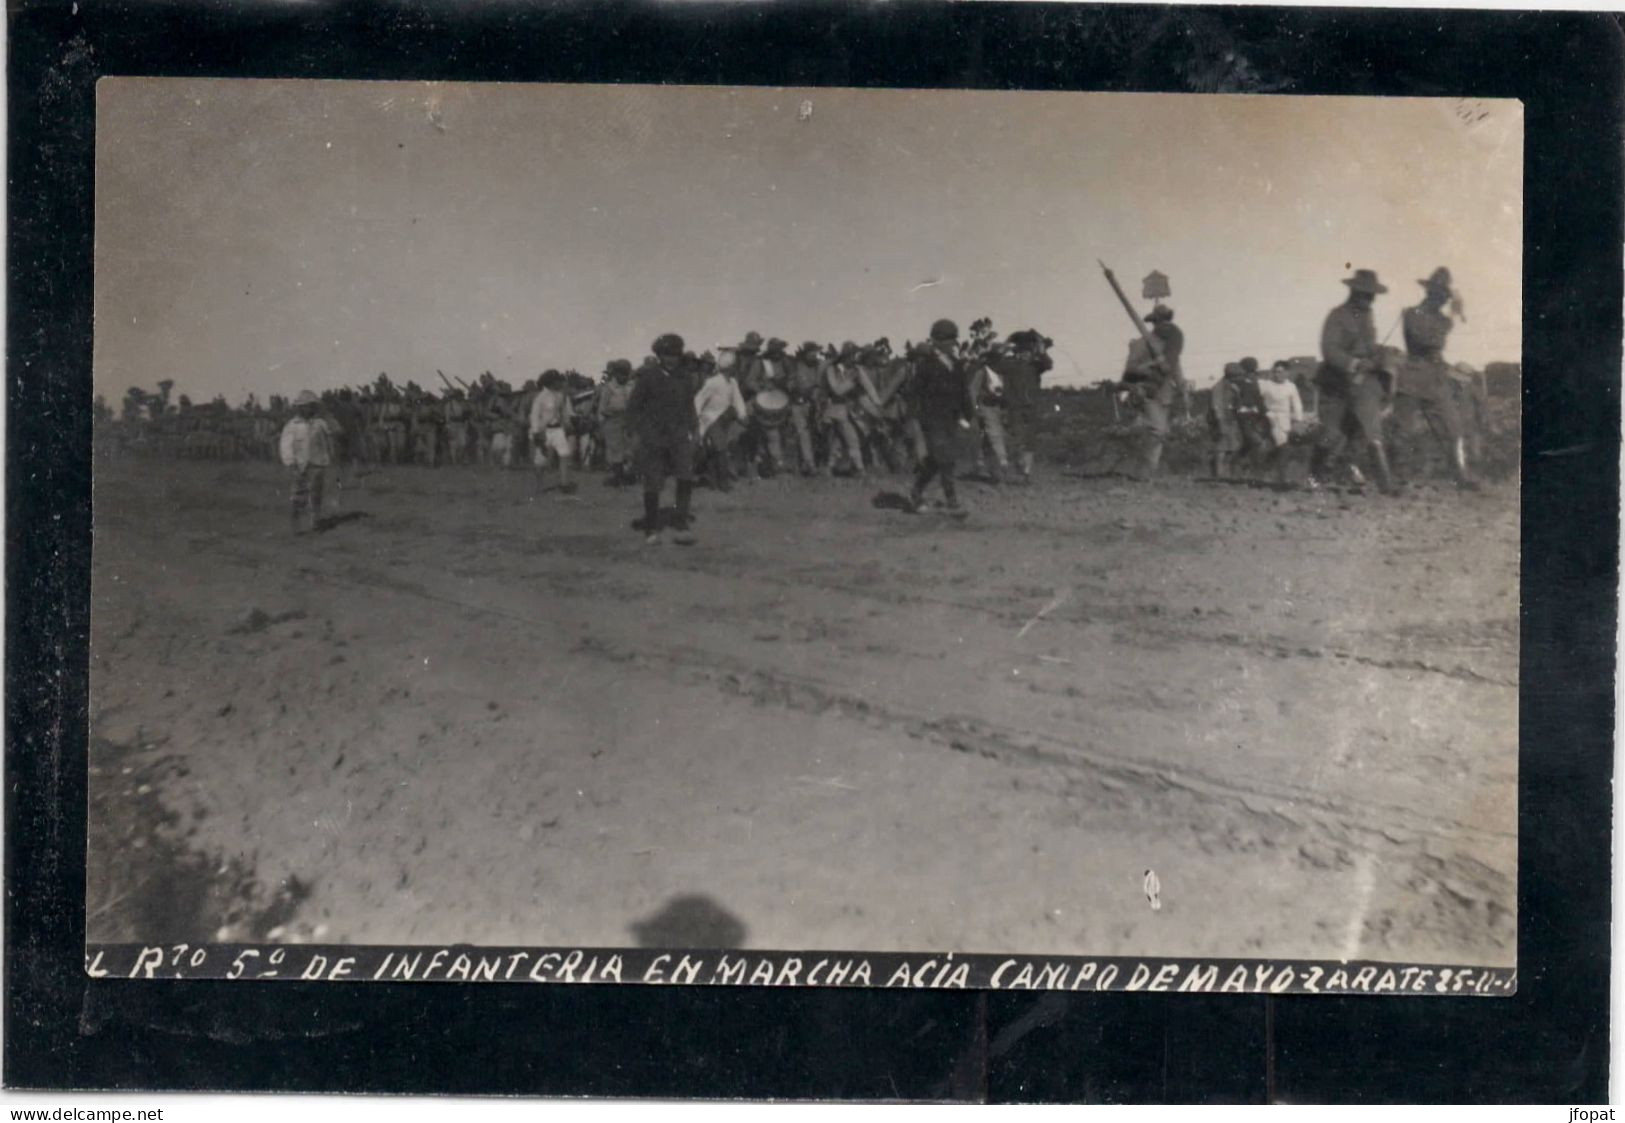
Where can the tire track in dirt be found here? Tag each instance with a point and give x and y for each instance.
(1081, 611)
(1431, 885)
(812, 694)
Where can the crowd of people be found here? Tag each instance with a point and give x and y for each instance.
(749, 410)
(758, 408)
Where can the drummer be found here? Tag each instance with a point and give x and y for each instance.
(768, 394)
(767, 374)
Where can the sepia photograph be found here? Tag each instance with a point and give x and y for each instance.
(1034, 527)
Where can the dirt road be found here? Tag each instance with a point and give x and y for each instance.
(469, 714)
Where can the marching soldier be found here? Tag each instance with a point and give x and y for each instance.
(845, 382)
(1154, 377)
(1021, 366)
(306, 448)
(1353, 387)
(942, 403)
(455, 416)
(770, 371)
(1427, 382)
(610, 406)
(660, 414)
(804, 383)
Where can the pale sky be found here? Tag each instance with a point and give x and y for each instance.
(268, 236)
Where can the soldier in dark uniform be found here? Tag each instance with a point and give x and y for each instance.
(662, 418)
(1021, 366)
(348, 415)
(940, 389)
(1426, 384)
(1353, 388)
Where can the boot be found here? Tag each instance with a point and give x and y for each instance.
(1317, 466)
(651, 516)
(1153, 457)
(1385, 476)
(685, 493)
(1458, 466)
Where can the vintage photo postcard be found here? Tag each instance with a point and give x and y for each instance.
(832, 537)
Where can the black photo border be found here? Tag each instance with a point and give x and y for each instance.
(1546, 1044)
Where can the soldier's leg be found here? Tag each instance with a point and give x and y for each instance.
(1156, 423)
(651, 465)
(1445, 423)
(993, 426)
(1365, 408)
(1018, 436)
(318, 489)
(801, 418)
(1333, 439)
(775, 450)
(923, 476)
(300, 498)
(682, 467)
(945, 471)
(566, 453)
(854, 446)
(718, 471)
(916, 436)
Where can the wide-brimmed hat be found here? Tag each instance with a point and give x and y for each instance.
(776, 344)
(944, 329)
(619, 366)
(306, 398)
(1160, 314)
(808, 348)
(669, 345)
(752, 342)
(1365, 280)
(849, 350)
(1439, 280)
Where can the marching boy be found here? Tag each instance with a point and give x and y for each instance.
(307, 450)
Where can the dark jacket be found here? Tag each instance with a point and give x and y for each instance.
(1426, 330)
(660, 411)
(1022, 374)
(940, 391)
(1348, 336)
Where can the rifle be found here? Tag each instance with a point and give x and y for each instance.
(1139, 325)
(1150, 340)
(444, 379)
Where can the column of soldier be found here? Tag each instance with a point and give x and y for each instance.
(761, 409)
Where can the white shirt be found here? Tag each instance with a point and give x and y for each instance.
(550, 409)
(1282, 405)
(306, 442)
(716, 395)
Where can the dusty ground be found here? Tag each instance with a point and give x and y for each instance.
(464, 714)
